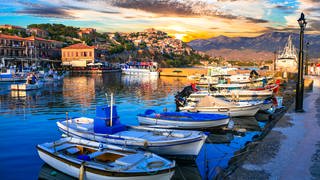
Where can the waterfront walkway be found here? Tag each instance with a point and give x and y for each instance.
(292, 148)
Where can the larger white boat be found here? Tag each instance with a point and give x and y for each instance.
(209, 104)
(235, 94)
(287, 59)
(160, 141)
(140, 68)
(85, 159)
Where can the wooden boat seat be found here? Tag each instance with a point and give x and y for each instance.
(63, 146)
(73, 150)
(96, 154)
(130, 159)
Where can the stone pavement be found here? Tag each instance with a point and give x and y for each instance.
(291, 150)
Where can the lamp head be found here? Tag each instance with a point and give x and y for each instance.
(302, 21)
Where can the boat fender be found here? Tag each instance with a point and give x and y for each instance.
(100, 147)
(145, 144)
(206, 133)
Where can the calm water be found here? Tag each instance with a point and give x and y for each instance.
(28, 119)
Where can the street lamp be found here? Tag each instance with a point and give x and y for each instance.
(307, 59)
(300, 83)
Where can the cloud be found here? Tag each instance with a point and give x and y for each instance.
(164, 7)
(46, 11)
(71, 7)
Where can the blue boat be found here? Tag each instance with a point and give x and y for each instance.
(183, 120)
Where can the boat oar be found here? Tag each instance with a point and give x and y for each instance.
(82, 171)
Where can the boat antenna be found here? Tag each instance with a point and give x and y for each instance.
(111, 108)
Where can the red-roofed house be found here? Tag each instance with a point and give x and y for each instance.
(30, 47)
(86, 32)
(12, 27)
(78, 55)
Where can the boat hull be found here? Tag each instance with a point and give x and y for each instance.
(142, 72)
(232, 111)
(73, 169)
(240, 96)
(183, 124)
(183, 147)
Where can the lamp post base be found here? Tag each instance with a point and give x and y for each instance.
(300, 111)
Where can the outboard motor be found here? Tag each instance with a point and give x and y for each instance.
(254, 74)
(181, 97)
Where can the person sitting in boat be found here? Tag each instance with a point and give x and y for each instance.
(264, 81)
(29, 78)
(33, 78)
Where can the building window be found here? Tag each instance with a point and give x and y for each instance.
(90, 54)
(77, 54)
(64, 54)
(85, 54)
(68, 54)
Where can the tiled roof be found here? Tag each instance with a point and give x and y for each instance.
(11, 37)
(31, 38)
(79, 46)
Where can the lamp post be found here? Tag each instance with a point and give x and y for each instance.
(300, 83)
(307, 59)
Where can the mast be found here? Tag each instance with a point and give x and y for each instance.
(111, 108)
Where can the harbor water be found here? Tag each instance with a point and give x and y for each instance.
(29, 118)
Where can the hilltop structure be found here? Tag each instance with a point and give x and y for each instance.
(287, 60)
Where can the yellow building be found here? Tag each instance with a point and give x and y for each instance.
(78, 55)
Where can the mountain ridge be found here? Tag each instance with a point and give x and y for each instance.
(265, 44)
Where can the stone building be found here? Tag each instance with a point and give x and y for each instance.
(38, 32)
(30, 47)
(78, 55)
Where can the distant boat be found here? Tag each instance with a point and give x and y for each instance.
(10, 76)
(160, 141)
(140, 68)
(183, 120)
(85, 159)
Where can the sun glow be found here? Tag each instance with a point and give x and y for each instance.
(179, 36)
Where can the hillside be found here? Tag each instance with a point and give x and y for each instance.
(246, 48)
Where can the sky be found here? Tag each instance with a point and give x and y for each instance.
(184, 19)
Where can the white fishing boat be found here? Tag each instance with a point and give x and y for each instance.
(140, 68)
(11, 76)
(234, 94)
(26, 86)
(209, 104)
(85, 159)
(183, 120)
(109, 130)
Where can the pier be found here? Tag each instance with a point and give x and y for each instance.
(291, 149)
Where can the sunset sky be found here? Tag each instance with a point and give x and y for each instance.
(186, 20)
